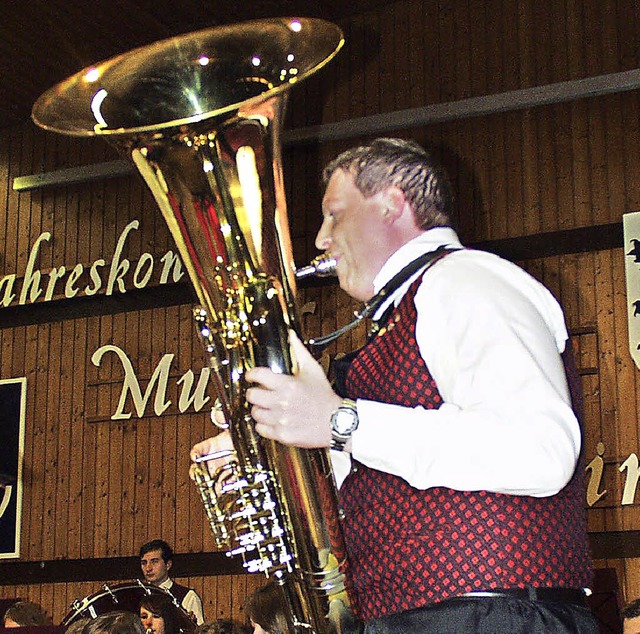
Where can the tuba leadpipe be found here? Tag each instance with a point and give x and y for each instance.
(200, 116)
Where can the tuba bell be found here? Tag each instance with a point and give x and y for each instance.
(200, 116)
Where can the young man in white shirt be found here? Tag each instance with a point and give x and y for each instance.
(156, 560)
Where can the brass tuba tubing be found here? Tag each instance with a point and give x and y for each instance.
(200, 116)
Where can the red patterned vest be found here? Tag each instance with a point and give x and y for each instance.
(409, 547)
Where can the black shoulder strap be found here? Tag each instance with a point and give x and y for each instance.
(426, 260)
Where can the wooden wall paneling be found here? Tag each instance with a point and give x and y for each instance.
(513, 222)
(631, 151)
(547, 171)
(106, 375)
(426, 54)
(143, 436)
(30, 204)
(580, 161)
(531, 190)
(387, 70)
(419, 53)
(400, 54)
(564, 212)
(238, 596)
(92, 400)
(480, 131)
(114, 491)
(608, 379)
(301, 178)
(171, 474)
(36, 460)
(174, 466)
(496, 196)
(63, 429)
(614, 140)
(159, 526)
(78, 381)
(598, 161)
(446, 51)
(31, 373)
(628, 27)
(354, 50)
(187, 425)
(125, 541)
(501, 70)
(6, 142)
(223, 597)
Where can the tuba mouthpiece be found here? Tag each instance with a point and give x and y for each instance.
(321, 266)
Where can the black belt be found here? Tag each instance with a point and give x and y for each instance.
(555, 595)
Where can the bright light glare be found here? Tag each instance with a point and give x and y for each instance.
(255, 61)
(203, 60)
(96, 104)
(295, 25)
(92, 75)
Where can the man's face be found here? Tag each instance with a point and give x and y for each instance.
(631, 626)
(354, 232)
(154, 568)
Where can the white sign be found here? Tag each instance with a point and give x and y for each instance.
(631, 225)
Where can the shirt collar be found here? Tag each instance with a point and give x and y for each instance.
(428, 241)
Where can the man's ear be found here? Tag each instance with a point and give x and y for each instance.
(395, 204)
(169, 564)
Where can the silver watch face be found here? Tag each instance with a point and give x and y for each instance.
(344, 421)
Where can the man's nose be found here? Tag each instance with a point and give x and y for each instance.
(323, 238)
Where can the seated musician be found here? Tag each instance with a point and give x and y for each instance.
(156, 560)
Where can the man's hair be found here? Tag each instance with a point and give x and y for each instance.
(403, 164)
(118, 622)
(631, 610)
(27, 613)
(157, 544)
(266, 608)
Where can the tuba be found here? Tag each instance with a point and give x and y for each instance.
(200, 116)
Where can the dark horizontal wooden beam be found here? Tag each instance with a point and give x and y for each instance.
(113, 569)
(615, 544)
(563, 242)
(604, 545)
(541, 245)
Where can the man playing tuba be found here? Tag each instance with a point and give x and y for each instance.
(453, 436)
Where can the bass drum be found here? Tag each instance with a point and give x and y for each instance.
(127, 597)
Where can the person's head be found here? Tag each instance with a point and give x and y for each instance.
(118, 622)
(265, 610)
(158, 615)
(378, 197)
(25, 614)
(631, 618)
(156, 559)
(77, 626)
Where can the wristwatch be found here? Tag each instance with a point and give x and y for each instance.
(344, 421)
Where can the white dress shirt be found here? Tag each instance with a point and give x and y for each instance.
(490, 335)
(191, 603)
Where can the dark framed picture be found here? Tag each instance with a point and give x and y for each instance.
(12, 422)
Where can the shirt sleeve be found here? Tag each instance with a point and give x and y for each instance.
(491, 337)
(192, 603)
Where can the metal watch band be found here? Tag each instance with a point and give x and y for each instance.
(339, 439)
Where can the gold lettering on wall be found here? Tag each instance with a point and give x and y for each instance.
(131, 391)
(69, 282)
